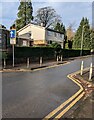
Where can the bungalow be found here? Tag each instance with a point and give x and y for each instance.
(36, 35)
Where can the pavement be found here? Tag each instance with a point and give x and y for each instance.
(85, 109)
(36, 94)
(33, 66)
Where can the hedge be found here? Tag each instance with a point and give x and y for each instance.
(24, 52)
(46, 52)
(3, 55)
(74, 53)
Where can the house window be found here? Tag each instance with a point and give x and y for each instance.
(55, 34)
(0, 36)
(61, 35)
(49, 33)
(50, 42)
(29, 34)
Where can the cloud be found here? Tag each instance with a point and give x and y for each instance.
(0, 12)
(53, 1)
(69, 11)
(9, 11)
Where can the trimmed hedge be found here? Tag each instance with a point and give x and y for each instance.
(45, 52)
(3, 55)
(25, 52)
(74, 53)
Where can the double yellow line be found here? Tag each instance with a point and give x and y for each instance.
(70, 105)
(73, 99)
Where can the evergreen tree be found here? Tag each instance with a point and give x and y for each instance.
(86, 35)
(25, 11)
(61, 28)
(85, 29)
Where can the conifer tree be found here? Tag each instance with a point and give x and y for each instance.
(84, 28)
(24, 15)
(61, 28)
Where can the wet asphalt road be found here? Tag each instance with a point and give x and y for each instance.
(35, 94)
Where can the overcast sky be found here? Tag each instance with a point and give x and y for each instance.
(70, 12)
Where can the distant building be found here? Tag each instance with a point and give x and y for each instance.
(36, 35)
(25, 40)
(4, 38)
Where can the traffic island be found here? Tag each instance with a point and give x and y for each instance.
(85, 108)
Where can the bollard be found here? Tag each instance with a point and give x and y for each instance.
(82, 66)
(61, 58)
(41, 61)
(57, 59)
(90, 73)
(4, 63)
(28, 62)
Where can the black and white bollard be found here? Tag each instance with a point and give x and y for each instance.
(82, 67)
(41, 61)
(90, 72)
(28, 62)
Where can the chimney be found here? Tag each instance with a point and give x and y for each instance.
(41, 24)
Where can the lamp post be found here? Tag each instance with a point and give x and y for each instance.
(25, 13)
(81, 52)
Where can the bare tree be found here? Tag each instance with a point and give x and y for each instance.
(72, 25)
(46, 16)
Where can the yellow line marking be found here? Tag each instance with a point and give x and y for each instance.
(75, 81)
(66, 102)
(62, 105)
(71, 105)
(69, 100)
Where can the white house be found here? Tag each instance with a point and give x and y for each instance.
(38, 35)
